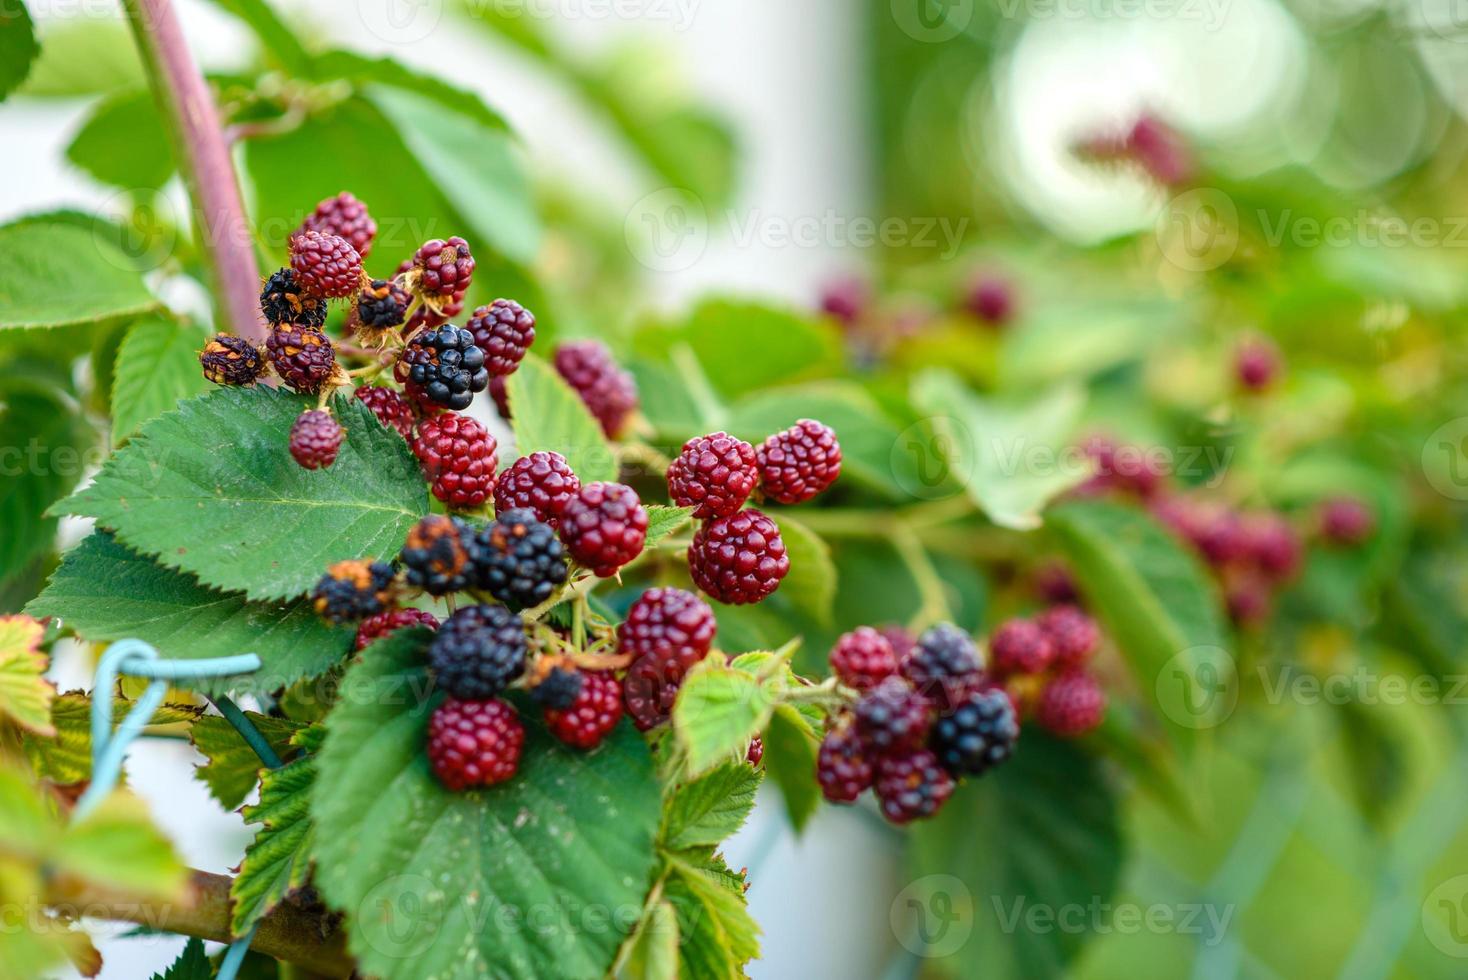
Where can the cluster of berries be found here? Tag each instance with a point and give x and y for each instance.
(927, 715)
(1042, 664)
(737, 555)
(873, 326)
(1149, 144)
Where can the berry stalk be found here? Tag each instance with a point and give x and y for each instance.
(203, 159)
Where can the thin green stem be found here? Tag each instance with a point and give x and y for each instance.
(934, 606)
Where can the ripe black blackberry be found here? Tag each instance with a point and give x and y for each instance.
(382, 305)
(284, 300)
(978, 734)
(943, 665)
(302, 356)
(434, 556)
(893, 717)
(315, 439)
(912, 785)
(353, 590)
(842, 766)
(478, 651)
(231, 360)
(504, 330)
(517, 559)
(555, 682)
(445, 365)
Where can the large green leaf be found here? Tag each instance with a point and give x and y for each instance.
(719, 709)
(711, 807)
(717, 936)
(43, 454)
(1157, 604)
(1011, 457)
(233, 767)
(476, 167)
(279, 859)
(106, 591)
(256, 521)
(1061, 849)
(123, 143)
(548, 415)
(496, 882)
(25, 698)
(18, 46)
(157, 366)
(96, 281)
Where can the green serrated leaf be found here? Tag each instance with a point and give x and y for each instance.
(717, 935)
(791, 745)
(123, 143)
(549, 416)
(192, 964)
(811, 581)
(157, 367)
(233, 768)
(18, 47)
(106, 591)
(279, 859)
(664, 521)
(272, 526)
(46, 453)
(1010, 457)
(711, 807)
(477, 167)
(65, 758)
(1158, 605)
(25, 696)
(446, 884)
(96, 283)
(717, 712)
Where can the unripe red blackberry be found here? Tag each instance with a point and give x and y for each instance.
(1246, 597)
(517, 559)
(592, 716)
(668, 625)
(542, 481)
(893, 717)
(1122, 468)
(1055, 584)
(1256, 364)
(504, 330)
(500, 393)
(445, 365)
(231, 360)
(756, 751)
(1019, 646)
(1271, 545)
(390, 407)
(1346, 521)
(326, 265)
(842, 766)
(944, 665)
(474, 744)
(978, 734)
(435, 557)
(352, 590)
(738, 559)
(911, 785)
(1071, 704)
(650, 689)
(1074, 636)
(604, 527)
(714, 474)
(374, 628)
(458, 459)
(610, 393)
(347, 218)
(800, 462)
(381, 305)
(284, 300)
(991, 300)
(478, 651)
(315, 439)
(443, 268)
(847, 300)
(863, 658)
(302, 356)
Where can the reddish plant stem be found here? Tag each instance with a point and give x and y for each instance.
(203, 161)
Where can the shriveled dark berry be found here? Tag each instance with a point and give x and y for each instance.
(608, 392)
(478, 651)
(604, 527)
(435, 557)
(542, 481)
(863, 658)
(518, 559)
(738, 559)
(714, 474)
(650, 689)
(303, 357)
(231, 360)
(325, 264)
(458, 459)
(284, 300)
(893, 717)
(474, 743)
(374, 628)
(504, 330)
(315, 439)
(346, 217)
(382, 305)
(445, 365)
(977, 734)
(352, 590)
(390, 407)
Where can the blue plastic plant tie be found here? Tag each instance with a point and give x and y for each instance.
(134, 658)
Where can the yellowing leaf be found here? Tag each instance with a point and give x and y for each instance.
(25, 697)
